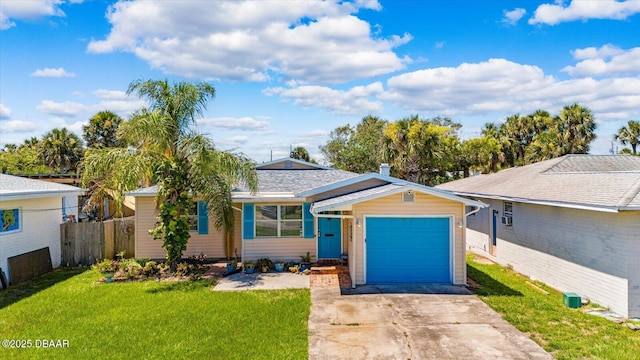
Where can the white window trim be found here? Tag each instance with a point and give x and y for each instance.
(278, 222)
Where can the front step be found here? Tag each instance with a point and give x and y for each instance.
(329, 270)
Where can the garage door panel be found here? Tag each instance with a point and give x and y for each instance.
(403, 250)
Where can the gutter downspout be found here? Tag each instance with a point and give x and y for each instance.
(464, 235)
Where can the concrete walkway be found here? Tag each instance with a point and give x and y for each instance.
(260, 281)
(411, 322)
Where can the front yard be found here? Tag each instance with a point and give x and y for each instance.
(150, 319)
(563, 332)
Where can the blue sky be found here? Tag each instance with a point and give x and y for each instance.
(288, 72)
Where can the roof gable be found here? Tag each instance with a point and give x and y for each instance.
(290, 164)
(386, 190)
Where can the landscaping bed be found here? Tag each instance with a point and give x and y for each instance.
(565, 333)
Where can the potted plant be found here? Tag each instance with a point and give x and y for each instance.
(232, 266)
(264, 264)
(249, 267)
(294, 269)
(305, 262)
(107, 268)
(279, 266)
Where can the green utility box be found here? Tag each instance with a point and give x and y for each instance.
(571, 300)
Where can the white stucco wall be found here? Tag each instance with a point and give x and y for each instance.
(591, 253)
(40, 227)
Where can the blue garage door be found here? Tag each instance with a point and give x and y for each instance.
(408, 250)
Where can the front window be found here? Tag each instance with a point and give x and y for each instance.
(193, 216)
(278, 220)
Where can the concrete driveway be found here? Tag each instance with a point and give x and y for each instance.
(411, 322)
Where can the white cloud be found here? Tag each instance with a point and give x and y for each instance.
(320, 41)
(110, 94)
(51, 72)
(502, 86)
(27, 10)
(607, 59)
(512, 17)
(230, 123)
(552, 14)
(5, 112)
(17, 126)
(66, 109)
(353, 101)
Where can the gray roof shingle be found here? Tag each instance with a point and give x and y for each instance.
(15, 185)
(608, 181)
(295, 181)
(281, 181)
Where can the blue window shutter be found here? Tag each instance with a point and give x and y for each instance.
(309, 231)
(248, 216)
(203, 218)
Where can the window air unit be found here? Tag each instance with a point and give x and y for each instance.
(507, 220)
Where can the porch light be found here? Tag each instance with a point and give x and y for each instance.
(460, 223)
(358, 223)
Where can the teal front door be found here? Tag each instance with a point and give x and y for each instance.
(329, 238)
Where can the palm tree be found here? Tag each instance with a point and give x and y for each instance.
(576, 126)
(61, 150)
(630, 134)
(169, 151)
(101, 130)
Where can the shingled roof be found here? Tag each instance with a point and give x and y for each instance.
(13, 187)
(599, 182)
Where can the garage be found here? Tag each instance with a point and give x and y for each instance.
(408, 249)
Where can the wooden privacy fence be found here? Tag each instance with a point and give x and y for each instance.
(85, 243)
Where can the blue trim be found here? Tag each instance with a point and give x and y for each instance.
(248, 215)
(309, 231)
(203, 218)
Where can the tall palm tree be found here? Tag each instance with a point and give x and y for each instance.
(630, 134)
(169, 151)
(101, 130)
(61, 149)
(576, 126)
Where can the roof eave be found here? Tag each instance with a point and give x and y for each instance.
(578, 206)
(400, 188)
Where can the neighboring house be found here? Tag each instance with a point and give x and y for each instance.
(392, 231)
(31, 212)
(572, 222)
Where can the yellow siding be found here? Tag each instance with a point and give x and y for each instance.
(211, 244)
(287, 249)
(426, 205)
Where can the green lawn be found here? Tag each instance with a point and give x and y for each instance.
(565, 333)
(149, 320)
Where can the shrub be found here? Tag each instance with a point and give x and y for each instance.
(150, 268)
(183, 269)
(106, 266)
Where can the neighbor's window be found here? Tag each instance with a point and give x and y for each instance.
(193, 216)
(278, 220)
(508, 209)
(9, 220)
